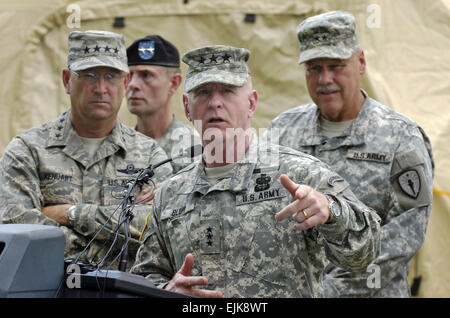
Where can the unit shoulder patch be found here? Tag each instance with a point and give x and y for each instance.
(409, 182)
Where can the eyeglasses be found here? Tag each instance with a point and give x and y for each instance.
(92, 77)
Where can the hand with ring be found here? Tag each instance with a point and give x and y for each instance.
(305, 213)
(309, 208)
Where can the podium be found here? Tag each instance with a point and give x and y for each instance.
(110, 284)
(32, 265)
(31, 260)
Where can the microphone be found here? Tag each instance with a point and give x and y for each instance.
(143, 177)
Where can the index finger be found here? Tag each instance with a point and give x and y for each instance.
(288, 210)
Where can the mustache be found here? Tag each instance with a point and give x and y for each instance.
(327, 89)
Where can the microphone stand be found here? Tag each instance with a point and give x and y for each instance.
(141, 179)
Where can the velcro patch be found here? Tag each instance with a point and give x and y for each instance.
(370, 156)
(409, 182)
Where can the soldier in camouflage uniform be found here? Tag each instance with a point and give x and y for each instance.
(72, 172)
(155, 76)
(385, 156)
(239, 226)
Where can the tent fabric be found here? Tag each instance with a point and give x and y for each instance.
(406, 45)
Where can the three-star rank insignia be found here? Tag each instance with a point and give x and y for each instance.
(210, 239)
(209, 236)
(409, 182)
(214, 59)
(146, 49)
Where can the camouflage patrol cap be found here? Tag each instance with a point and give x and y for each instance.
(216, 64)
(96, 48)
(327, 35)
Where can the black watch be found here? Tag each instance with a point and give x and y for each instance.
(335, 208)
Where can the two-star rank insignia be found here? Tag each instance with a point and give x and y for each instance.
(410, 184)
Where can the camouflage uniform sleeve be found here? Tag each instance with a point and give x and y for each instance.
(153, 259)
(403, 232)
(21, 198)
(352, 240)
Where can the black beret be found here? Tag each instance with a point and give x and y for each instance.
(153, 50)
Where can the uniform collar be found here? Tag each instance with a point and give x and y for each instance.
(62, 134)
(353, 136)
(240, 174)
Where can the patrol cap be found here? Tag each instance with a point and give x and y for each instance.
(96, 48)
(216, 64)
(327, 35)
(153, 50)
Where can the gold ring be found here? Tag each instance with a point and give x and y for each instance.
(305, 213)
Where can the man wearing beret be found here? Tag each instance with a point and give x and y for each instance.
(155, 73)
(252, 219)
(385, 156)
(73, 172)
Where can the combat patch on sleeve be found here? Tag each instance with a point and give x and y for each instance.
(409, 181)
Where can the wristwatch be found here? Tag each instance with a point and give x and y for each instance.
(71, 214)
(335, 208)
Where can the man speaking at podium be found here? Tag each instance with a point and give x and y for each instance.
(73, 172)
(252, 219)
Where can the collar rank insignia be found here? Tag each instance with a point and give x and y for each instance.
(262, 183)
(130, 169)
(409, 182)
(146, 49)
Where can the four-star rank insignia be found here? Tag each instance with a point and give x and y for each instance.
(409, 182)
(146, 49)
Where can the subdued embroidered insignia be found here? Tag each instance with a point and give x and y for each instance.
(262, 183)
(370, 156)
(333, 179)
(210, 242)
(130, 169)
(177, 212)
(270, 194)
(209, 236)
(409, 182)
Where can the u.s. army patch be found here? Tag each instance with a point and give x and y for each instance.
(370, 156)
(253, 197)
(409, 182)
